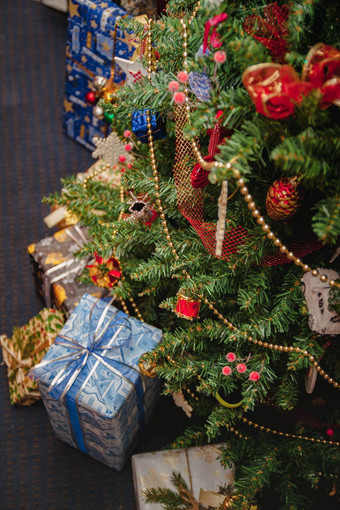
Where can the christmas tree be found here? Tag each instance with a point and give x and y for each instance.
(224, 230)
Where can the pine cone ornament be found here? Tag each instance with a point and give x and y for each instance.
(283, 199)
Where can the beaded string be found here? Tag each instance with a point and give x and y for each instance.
(240, 182)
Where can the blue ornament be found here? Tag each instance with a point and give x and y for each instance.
(140, 128)
(200, 85)
(201, 53)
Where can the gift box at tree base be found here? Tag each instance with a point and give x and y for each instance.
(26, 348)
(92, 42)
(55, 269)
(95, 396)
(199, 466)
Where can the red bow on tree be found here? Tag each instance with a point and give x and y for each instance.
(214, 39)
(276, 89)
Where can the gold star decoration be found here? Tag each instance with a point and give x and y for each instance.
(87, 119)
(68, 106)
(94, 24)
(73, 9)
(106, 47)
(104, 5)
(69, 68)
(84, 59)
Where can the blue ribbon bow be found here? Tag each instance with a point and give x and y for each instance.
(76, 369)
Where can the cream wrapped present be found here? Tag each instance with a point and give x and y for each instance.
(199, 467)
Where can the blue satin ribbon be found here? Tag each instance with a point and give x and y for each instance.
(76, 367)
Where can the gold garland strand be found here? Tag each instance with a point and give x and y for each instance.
(240, 182)
(285, 434)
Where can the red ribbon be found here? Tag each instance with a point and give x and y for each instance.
(271, 30)
(214, 39)
(276, 89)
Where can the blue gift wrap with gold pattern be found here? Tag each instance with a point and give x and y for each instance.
(89, 53)
(95, 396)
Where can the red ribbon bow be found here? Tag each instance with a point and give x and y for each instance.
(276, 89)
(214, 39)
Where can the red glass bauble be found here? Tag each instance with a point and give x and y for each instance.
(90, 97)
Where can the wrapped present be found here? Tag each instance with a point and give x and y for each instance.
(140, 129)
(199, 467)
(93, 39)
(55, 269)
(26, 348)
(96, 398)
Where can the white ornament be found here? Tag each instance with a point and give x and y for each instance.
(222, 213)
(110, 148)
(181, 402)
(321, 319)
(134, 70)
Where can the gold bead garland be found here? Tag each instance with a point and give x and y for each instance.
(95, 173)
(240, 184)
(285, 434)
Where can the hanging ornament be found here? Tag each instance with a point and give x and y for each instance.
(139, 208)
(222, 214)
(105, 273)
(180, 401)
(310, 379)
(283, 198)
(320, 318)
(140, 128)
(134, 70)
(186, 307)
(98, 112)
(200, 85)
(147, 364)
(110, 149)
(99, 82)
(90, 97)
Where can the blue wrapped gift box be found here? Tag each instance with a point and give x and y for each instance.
(95, 396)
(89, 53)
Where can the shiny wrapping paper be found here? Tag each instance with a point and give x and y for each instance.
(199, 466)
(89, 53)
(102, 412)
(55, 269)
(26, 348)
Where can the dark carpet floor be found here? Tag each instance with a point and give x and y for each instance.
(39, 472)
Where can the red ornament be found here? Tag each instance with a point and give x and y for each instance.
(90, 97)
(283, 199)
(330, 432)
(187, 308)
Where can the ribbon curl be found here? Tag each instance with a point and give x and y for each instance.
(277, 89)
